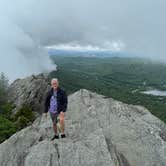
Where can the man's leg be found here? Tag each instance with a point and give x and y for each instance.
(55, 128)
(54, 120)
(62, 122)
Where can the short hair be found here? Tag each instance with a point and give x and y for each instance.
(54, 79)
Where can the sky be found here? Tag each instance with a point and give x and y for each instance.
(27, 27)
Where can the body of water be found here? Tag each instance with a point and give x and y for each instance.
(155, 92)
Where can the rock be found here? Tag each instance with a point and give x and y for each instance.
(100, 132)
(30, 90)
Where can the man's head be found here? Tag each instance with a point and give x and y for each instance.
(54, 83)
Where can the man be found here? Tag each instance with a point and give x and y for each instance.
(56, 104)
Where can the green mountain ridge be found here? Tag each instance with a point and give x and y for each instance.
(120, 78)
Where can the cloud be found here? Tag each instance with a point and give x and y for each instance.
(138, 24)
(27, 26)
(21, 55)
(114, 46)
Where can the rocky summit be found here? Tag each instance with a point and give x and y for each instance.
(100, 132)
(30, 90)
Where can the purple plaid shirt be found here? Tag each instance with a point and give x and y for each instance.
(53, 103)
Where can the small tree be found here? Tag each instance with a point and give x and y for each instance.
(3, 87)
(7, 128)
(24, 116)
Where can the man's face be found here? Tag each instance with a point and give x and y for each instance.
(54, 84)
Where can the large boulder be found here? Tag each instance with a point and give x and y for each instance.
(30, 90)
(100, 132)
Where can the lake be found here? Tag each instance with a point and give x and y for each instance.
(155, 92)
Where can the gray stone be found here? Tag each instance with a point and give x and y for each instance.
(100, 132)
(30, 90)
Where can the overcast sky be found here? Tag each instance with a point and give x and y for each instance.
(27, 26)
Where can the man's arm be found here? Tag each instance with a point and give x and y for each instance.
(65, 101)
(46, 102)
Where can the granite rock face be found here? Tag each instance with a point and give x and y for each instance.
(100, 132)
(30, 90)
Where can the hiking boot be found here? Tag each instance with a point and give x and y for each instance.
(55, 137)
(63, 136)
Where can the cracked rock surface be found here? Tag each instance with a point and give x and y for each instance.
(100, 132)
(30, 90)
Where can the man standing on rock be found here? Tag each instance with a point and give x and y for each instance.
(56, 103)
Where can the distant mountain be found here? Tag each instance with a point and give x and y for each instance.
(89, 53)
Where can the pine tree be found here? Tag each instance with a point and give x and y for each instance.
(3, 87)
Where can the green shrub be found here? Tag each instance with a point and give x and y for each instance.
(9, 125)
(6, 110)
(21, 122)
(7, 128)
(24, 116)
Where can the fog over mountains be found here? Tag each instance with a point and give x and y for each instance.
(135, 27)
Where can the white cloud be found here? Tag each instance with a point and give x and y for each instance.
(73, 47)
(114, 46)
(20, 53)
